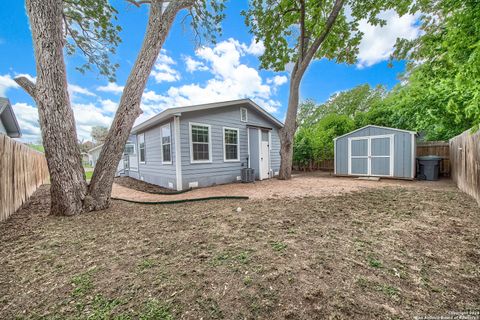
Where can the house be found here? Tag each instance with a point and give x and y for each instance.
(8, 122)
(203, 145)
(376, 151)
(93, 155)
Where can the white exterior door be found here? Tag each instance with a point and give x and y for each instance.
(264, 155)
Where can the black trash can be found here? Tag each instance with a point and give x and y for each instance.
(428, 167)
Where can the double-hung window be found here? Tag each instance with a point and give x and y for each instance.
(231, 144)
(243, 115)
(129, 148)
(141, 147)
(166, 144)
(200, 143)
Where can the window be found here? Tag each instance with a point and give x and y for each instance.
(243, 115)
(141, 147)
(200, 150)
(166, 144)
(129, 148)
(230, 141)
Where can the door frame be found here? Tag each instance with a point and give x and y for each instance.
(369, 154)
(260, 172)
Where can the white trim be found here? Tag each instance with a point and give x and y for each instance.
(334, 156)
(190, 124)
(178, 152)
(169, 124)
(369, 156)
(162, 116)
(270, 171)
(248, 147)
(414, 160)
(374, 126)
(238, 145)
(144, 149)
(134, 147)
(259, 154)
(246, 114)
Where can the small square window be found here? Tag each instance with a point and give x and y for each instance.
(243, 115)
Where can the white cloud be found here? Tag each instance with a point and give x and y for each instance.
(163, 70)
(27, 117)
(111, 87)
(278, 80)
(378, 42)
(87, 116)
(75, 90)
(256, 48)
(6, 82)
(194, 65)
(109, 105)
(231, 79)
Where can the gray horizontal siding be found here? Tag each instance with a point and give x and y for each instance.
(219, 171)
(153, 170)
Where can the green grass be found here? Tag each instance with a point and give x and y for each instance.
(278, 246)
(88, 175)
(37, 147)
(82, 283)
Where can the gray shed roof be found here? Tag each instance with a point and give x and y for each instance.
(178, 110)
(373, 126)
(7, 116)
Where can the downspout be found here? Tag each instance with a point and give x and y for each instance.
(178, 151)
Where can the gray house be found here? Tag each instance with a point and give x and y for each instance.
(203, 145)
(376, 151)
(8, 122)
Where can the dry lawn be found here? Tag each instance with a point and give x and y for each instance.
(389, 253)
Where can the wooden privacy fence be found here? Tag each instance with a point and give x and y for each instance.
(22, 171)
(436, 148)
(465, 157)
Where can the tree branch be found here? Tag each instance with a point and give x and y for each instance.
(27, 85)
(318, 41)
(138, 3)
(302, 29)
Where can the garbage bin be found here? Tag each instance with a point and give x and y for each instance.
(428, 167)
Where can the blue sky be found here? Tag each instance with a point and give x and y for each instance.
(186, 74)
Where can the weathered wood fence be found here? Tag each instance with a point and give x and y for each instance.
(22, 171)
(436, 148)
(465, 158)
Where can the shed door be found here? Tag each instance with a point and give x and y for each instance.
(358, 156)
(381, 156)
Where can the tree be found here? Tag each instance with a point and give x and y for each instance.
(87, 25)
(298, 31)
(99, 134)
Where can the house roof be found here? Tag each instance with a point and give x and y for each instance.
(95, 148)
(179, 110)
(7, 116)
(374, 126)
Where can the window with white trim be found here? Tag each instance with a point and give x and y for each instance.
(243, 115)
(200, 143)
(141, 147)
(166, 143)
(129, 148)
(230, 144)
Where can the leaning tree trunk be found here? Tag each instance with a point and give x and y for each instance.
(287, 133)
(67, 177)
(158, 27)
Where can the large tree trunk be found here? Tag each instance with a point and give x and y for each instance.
(68, 186)
(158, 28)
(287, 133)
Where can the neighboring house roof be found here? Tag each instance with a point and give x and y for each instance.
(178, 110)
(374, 126)
(95, 148)
(9, 121)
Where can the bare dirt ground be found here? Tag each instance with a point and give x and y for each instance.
(142, 186)
(314, 184)
(375, 253)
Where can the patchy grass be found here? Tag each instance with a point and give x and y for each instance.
(378, 254)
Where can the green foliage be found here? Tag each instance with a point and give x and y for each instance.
(99, 134)
(278, 23)
(91, 29)
(441, 94)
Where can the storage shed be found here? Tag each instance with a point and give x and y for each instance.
(376, 151)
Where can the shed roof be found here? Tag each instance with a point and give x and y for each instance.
(7, 116)
(374, 126)
(178, 110)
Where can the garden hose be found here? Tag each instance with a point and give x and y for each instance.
(184, 200)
